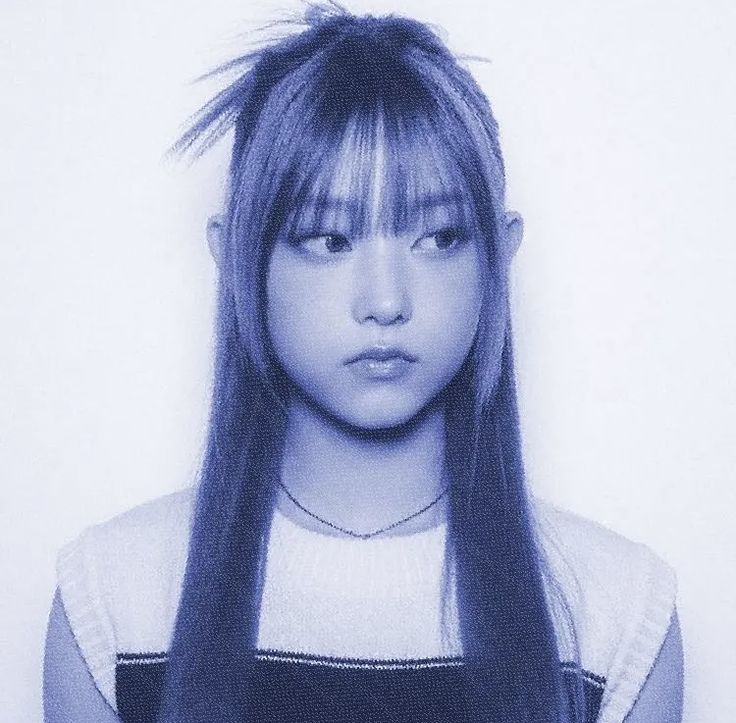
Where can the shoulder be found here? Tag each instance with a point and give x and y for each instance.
(69, 691)
(120, 582)
(619, 596)
(602, 561)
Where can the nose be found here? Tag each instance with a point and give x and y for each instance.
(382, 292)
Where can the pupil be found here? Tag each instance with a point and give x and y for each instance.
(334, 243)
(445, 238)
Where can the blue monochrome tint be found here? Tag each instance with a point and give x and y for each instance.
(365, 205)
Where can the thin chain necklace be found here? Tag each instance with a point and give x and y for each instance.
(362, 535)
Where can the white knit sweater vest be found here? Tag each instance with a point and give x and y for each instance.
(378, 599)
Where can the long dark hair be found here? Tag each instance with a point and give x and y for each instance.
(293, 104)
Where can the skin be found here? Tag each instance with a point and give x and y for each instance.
(660, 699)
(333, 291)
(327, 299)
(70, 694)
(386, 436)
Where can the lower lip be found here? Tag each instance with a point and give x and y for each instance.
(393, 368)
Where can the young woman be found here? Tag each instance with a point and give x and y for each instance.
(360, 544)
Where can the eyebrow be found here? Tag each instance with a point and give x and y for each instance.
(424, 202)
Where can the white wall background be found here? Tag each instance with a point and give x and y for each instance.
(617, 121)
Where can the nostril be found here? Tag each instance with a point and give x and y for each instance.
(381, 291)
(387, 319)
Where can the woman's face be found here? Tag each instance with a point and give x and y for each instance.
(405, 304)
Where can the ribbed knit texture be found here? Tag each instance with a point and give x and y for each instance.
(374, 599)
(644, 631)
(83, 602)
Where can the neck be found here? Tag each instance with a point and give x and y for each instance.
(363, 480)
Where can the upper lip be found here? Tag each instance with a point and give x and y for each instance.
(382, 352)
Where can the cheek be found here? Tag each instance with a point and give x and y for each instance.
(452, 299)
(285, 314)
(300, 311)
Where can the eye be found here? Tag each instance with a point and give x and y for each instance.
(323, 244)
(443, 240)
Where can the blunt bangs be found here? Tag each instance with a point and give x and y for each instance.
(381, 174)
(368, 145)
(364, 137)
(367, 123)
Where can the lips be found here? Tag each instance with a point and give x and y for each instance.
(382, 353)
(381, 363)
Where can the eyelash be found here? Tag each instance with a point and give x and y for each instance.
(457, 235)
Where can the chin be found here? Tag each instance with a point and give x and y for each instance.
(370, 410)
(376, 417)
(378, 423)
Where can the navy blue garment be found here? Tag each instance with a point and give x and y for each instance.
(309, 688)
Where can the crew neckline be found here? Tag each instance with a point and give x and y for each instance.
(346, 568)
(286, 523)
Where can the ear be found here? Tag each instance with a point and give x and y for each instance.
(514, 233)
(216, 237)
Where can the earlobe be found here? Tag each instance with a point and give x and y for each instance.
(216, 237)
(514, 233)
